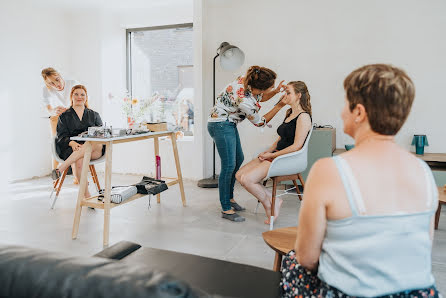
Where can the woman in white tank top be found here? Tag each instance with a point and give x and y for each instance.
(365, 227)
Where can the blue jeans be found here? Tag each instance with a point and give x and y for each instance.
(227, 141)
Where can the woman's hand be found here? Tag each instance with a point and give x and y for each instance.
(59, 110)
(280, 103)
(74, 145)
(266, 155)
(279, 88)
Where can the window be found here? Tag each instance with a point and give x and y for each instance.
(160, 75)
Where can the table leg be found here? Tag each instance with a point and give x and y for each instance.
(107, 194)
(437, 215)
(157, 152)
(82, 188)
(178, 166)
(277, 262)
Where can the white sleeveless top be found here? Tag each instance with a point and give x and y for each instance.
(366, 255)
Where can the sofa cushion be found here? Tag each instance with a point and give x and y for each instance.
(26, 272)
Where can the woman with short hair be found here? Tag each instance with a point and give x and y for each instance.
(365, 228)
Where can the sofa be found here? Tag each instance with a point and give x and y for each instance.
(128, 270)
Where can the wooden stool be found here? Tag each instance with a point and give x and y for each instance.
(441, 200)
(281, 241)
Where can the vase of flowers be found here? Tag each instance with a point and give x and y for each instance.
(135, 109)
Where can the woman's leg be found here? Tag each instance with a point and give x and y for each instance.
(223, 134)
(251, 179)
(95, 154)
(239, 157)
(76, 155)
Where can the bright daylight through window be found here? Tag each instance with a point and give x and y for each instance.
(160, 76)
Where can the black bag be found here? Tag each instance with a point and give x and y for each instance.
(149, 185)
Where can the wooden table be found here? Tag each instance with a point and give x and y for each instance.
(106, 204)
(427, 157)
(281, 241)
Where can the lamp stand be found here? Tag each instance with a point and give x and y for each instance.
(211, 182)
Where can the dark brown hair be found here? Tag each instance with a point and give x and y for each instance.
(259, 77)
(386, 92)
(301, 87)
(74, 89)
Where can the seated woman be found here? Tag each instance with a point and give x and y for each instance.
(292, 135)
(365, 228)
(71, 123)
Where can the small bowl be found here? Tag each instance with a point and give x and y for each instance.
(349, 146)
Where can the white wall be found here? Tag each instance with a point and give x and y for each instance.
(321, 42)
(33, 37)
(85, 42)
(137, 157)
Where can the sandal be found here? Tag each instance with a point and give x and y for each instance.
(233, 217)
(55, 174)
(237, 207)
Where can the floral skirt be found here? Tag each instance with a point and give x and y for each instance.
(299, 282)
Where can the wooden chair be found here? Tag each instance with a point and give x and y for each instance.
(57, 184)
(281, 241)
(288, 167)
(441, 200)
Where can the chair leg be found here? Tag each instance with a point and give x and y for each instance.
(273, 204)
(301, 180)
(437, 215)
(297, 190)
(64, 174)
(58, 187)
(94, 175)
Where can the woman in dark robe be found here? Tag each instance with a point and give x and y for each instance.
(72, 122)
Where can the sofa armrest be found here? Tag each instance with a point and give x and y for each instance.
(118, 251)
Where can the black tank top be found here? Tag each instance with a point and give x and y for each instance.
(287, 132)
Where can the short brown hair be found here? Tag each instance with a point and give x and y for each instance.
(386, 92)
(259, 77)
(74, 89)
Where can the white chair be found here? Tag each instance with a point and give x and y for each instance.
(285, 168)
(57, 184)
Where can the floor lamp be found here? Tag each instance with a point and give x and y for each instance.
(231, 58)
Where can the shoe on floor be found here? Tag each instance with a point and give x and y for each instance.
(233, 217)
(55, 174)
(237, 207)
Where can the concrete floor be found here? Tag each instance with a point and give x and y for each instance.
(25, 219)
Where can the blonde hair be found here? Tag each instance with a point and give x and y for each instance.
(385, 91)
(74, 89)
(47, 73)
(301, 87)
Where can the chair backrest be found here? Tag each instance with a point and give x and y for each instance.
(291, 163)
(54, 150)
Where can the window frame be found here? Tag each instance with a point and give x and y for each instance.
(128, 57)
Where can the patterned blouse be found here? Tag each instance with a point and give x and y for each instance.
(235, 104)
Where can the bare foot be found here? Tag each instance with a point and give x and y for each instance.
(75, 181)
(278, 204)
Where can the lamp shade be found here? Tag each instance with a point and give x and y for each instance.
(231, 57)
